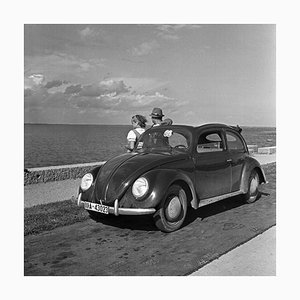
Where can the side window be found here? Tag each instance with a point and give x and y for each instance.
(234, 142)
(210, 142)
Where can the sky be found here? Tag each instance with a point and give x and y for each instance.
(104, 74)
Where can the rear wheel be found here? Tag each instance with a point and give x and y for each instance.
(253, 193)
(172, 211)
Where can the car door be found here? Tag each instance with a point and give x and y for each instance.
(236, 148)
(212, 168)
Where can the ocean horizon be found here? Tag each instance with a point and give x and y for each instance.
(62, 144)
(242, 126)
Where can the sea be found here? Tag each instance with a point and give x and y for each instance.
(56, 144)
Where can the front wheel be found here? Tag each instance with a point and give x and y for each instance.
(253, 193)
(172, 211)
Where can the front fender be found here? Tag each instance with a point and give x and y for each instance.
(88, 195)
(251, 164)
(159, 182)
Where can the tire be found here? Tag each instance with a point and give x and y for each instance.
(172, 211)
(253, 192)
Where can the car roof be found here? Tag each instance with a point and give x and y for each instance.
(218, 125)
(205, 126)
(194, 129)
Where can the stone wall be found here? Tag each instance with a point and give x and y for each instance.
(263, 150)
(267, 150)
(57, 173)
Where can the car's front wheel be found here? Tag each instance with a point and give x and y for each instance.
(172, 211)
(253, 192)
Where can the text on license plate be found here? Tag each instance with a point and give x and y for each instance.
(96, 207)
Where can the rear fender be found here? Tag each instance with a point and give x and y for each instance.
(250, 165)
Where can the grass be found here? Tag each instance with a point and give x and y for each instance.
(46, 217)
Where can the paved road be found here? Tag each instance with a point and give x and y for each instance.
(257, 257)
(133, 246)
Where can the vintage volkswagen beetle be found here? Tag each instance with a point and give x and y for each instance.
(172, 168)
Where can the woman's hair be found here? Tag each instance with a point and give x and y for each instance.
(141, 120)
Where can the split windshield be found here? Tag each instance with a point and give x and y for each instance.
(163, 139)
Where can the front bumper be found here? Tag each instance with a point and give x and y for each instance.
(116, 210)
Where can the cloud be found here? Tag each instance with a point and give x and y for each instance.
(143, 84)
(53, 83)
(87, 32)
(168, 36)
(126, 102)
(90, 91)
(92, 34)
(103, 88)
(113, 86)
(145, 48)
(113, 96)
(73, 89)
(145, 100)
(168, 32)
(60, 65)
(36, 79)
(171, 32)
(35, 98)
(85, 66)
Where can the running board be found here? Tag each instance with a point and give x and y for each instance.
(218, 198)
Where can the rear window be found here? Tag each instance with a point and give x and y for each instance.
(234, 142)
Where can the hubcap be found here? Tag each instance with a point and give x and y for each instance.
(254, 185)
(173, 209)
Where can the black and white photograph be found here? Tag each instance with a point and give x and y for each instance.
(150, 149)
(141, 142)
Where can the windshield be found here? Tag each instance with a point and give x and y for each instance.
(163, 139)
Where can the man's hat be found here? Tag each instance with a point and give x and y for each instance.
(156, 113)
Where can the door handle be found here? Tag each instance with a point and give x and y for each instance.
(229, 160)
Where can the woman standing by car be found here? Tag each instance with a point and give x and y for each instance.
(138, 123)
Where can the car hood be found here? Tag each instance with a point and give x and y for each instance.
(117, 174)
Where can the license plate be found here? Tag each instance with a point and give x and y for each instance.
(96, 207)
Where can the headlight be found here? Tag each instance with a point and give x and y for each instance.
(140, 187)
(86, 181)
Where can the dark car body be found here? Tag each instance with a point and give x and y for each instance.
(174, 167)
